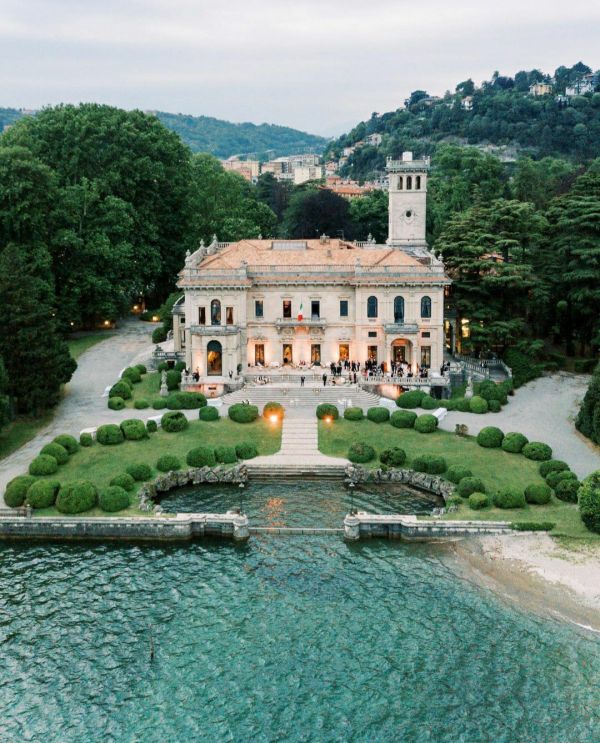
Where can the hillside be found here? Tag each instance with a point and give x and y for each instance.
(222, 138)
(501, 113)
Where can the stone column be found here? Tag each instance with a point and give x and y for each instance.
(241, 532)
(351, 528)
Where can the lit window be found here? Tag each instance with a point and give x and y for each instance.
(229, 315)
(287, 308)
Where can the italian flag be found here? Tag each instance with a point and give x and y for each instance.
(300, 315)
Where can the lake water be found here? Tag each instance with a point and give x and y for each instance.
(281, 639)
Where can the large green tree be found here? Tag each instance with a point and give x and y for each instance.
(316, 211)
(4, 398)
(588, 418)
(369, 214)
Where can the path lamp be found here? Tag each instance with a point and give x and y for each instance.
(241, 488)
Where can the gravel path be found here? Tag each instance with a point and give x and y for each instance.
(543, 410)
(83, 404)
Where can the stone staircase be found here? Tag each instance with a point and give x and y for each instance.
(295, 398)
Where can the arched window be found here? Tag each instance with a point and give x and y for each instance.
(214, 359)
(372, 307)
(408, 182)
(398, 309)
(400, 183)
(418, 183)
(215, 312)
(426, 307)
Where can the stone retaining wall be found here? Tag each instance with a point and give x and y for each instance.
(366, 525)
(421, 480)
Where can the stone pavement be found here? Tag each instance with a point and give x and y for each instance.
(543, 410)
(83, 404)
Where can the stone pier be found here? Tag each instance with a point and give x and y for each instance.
(363, 525)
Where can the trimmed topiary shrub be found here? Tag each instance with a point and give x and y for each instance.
(327, 410)
(426, 423)
(477, 501)
(554, 478)
(429, 403)
(478, 405)
(469, 485)
(173, 379)
(537, 451)
(68, 442)
(353, 414)
(86, 439)
(159, 335)
(567, 490)
(552, 465)
(77, 497)
(109, 435)
(454, 500)
(116, 403)
(185, 401)
(151, 426)
(57, 451)
(132, 374)
(141, 368)
(167, 463)
(411, 399)
(494, 406)
(509, 498)
(120, 389)
(456, 472)
(42, 493)
(162, 366)
(201, 456)
(246, 450)
(16, 490)
(179, 366)
(402, 418)
(359, 452)
(514, 442)
(174, 422)
(463, 405)
(273, 409)
(113, 498)
(533, 525)
(394, 457)
(141, 404)
(225, 454)
(490, 437)
(241, 413)
(159, 403)
(491, 391)
(124, 481)
(538, 493)
(378, 415)
(140, 471)
(43, 464)
(589, 502)
(429, 463)
(134, 429)
(208, 414)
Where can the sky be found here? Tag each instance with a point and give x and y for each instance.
(317, 65)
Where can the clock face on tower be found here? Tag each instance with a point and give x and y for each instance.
(409, 215)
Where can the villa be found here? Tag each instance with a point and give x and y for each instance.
(269, 304)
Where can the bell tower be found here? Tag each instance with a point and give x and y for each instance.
(407, 201)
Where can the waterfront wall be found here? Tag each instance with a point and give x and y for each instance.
(420, 480)
(364, 525)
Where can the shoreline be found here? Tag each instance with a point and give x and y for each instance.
(534, 572)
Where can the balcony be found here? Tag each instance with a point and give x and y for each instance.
(401, 328)
(214, 329)
(290, 322)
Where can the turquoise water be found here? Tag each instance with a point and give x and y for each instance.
(282, 639)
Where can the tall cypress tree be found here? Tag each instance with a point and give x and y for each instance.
(37, 359)
(588, 419)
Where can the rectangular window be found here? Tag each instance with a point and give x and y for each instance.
(426, 356)
(315, 353)
(229, 315)
(258, 308)
(426, 334)
(372, 353)
(201, 315)
(372, 334)
(182, 338)
(344, 352)
(315, 309)
(259, 354)
(287, 309)
(343, 308)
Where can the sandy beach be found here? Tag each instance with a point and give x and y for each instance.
(547, 576)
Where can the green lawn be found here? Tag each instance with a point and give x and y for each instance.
(80, 345)
(19, 432)
(147, 389)
(101, 463)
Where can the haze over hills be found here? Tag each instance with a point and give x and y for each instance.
(222, 138)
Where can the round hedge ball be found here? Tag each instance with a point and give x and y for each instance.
(359, 452)
(69, 442)
(490, 437)
(225, 454)
(134, 429)
(86, 439)
(327, 410)
(241, 413)
(554, 477)
(514, 442)
(246, 450)
(185, 401)
(209, 413)
(478, 405)
(42, 493)
(477, 501)
(494, 406)
(174, 422)
(124, 481)
(44, 464)
(151, 426)
(141, 404)
(116, 403)
(168, 463)
(394, 457)
(353, 414)
(469, 485)
(113, 498)
(201, 456)
(109, 435)
(538, 493)
(537, 451)
(57, 451)
(552, 465)
(378, 415)
(273, 409)
(589, 502)
(16, 490)
(463, 405)
(140, 471)
(429, 403)
(410, 399)
(567, 490)
(509, 498)
(141, 368)
(426, 423)
(456, 472)
(403, 418)
(120, 389)
(132, 374)
(159, 403)
(77, 497)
